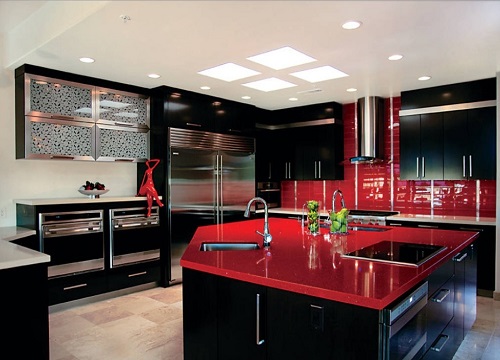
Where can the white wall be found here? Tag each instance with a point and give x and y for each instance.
(29, 179)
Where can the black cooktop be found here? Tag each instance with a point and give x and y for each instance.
(397, 252)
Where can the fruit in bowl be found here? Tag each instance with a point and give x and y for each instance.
(91, 186)
(93, 189)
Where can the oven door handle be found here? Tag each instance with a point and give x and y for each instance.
(72, 230)
(136, 223)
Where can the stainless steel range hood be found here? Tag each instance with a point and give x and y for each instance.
(370, 124)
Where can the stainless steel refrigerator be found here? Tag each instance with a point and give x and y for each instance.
(211, 178)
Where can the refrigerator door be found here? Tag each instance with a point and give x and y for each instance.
(192, 199)
(237, 184)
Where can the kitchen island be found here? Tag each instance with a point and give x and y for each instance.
(308, 293)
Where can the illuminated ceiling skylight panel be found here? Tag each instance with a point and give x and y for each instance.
(270, 84)
(229, 72)
(282, 58)
(319, 74)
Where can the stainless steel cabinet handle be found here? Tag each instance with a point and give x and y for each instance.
(440, 342)
(137, 274)
(423, 167)
(74, 287)
(259, 341)
(269, 173)
(443, 293)
(463, 166)
(62, 157)
(315, 170)
(62, 117)
(193, 124)
(471, 229)
(394, 224)
(470, 165)
(118, 123)
(319, 169)
(460, 259)
(428, 226)
(418, 172)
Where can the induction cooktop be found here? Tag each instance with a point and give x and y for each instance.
(397, 253)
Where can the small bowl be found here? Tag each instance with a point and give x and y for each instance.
(93, 194)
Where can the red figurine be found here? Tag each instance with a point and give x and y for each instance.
(148, 187)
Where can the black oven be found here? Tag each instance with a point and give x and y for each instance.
(403, 326)
(74, 240)
(134, 237)
(270, 192)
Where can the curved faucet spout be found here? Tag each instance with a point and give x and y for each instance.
(334, 197)
(266, 235)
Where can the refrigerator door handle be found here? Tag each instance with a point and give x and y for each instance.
(221, 202)
(217, 195)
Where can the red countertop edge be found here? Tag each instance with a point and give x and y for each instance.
(238, 264)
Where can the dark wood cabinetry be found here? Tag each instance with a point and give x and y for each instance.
(421, 147)
(469, 144)
(449, 132)
(25, 315)
(484, 250)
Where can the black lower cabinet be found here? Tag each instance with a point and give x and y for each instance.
(25, 315)
(132, 275)
(231, 319)
(73, 287)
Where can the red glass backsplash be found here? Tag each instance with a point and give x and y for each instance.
(374, 181)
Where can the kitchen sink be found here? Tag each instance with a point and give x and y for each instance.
(219, 246)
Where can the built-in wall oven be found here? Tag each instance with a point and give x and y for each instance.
(134, 237)
(270, 191)
(74, 240)
(403, 326)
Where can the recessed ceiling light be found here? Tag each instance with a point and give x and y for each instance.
(395, 57)
(282, 58)
(246, 97)
(229, 72)
(270, 84)
(293, 99)
(352, 90)
(87, 60)
(351, 25)
(154, 76)
(424, 78)
(205, 87)
(319, 74)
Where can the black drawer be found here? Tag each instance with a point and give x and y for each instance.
(440, 311)
(74, 287)
(132, 275)
(440, 276)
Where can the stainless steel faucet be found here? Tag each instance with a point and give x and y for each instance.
(266, 235)
(334, 197)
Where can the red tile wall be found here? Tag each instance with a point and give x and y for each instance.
(373, 182)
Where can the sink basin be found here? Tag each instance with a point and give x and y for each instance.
(219, 246)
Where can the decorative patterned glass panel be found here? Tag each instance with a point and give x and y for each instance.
(123, 144)
(58, 98)
(123, 108)
(60, 139)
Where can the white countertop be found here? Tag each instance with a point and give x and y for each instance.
(12, 255)
(79, 200)
(464, 220)
(448, 219)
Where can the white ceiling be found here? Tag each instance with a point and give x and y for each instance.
(451, 41)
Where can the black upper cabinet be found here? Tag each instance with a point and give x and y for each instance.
(421, 147)
(187, 110)
(469, 144)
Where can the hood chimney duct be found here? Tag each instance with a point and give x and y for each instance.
(370, 130)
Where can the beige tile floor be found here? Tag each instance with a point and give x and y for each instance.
(147, 325)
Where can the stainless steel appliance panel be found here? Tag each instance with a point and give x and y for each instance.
(134, 237)
(211, 178)
(74, 240)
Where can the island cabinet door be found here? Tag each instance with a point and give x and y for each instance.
(241, 316)
(305, 327)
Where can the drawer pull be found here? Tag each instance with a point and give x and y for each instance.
(74, 287)
(62, 157)
(461, 258)
(395, 224)
(428, 226)
(258, 340)
(470, 229)
(137, 274)
(440, 342)
(62, 117)
(443, 293)
(193, 124)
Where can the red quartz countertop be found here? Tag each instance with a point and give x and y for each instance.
(313, 265)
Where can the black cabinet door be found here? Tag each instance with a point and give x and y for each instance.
(189, 111)
(409, 140)
(234, 118)
(421, 147)
(241, 316)
(456, 140)
(305, 327)
(481, 130)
